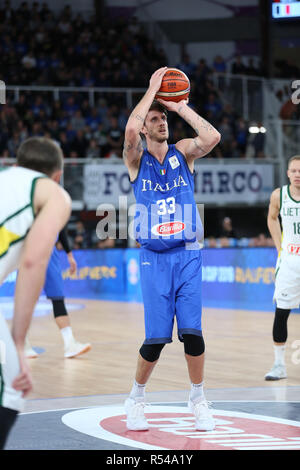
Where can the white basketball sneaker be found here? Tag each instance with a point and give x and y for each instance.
(75, 349)
(30, 353)
(136, 420)
(202, 412)
(277, 372)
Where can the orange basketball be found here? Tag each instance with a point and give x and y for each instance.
(175, 86)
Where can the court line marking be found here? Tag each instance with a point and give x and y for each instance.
(89, 423)
(153, 404)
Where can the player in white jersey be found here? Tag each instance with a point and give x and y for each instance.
(285, 201)
(33, 209)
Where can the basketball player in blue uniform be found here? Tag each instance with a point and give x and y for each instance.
(168, 228)
(54, 291)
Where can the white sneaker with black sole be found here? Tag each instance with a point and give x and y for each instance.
(202, 412)
(136, 420)
(277, 372)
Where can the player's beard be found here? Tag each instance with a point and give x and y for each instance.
(159, 137)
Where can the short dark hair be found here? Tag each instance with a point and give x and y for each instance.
(157, 106)
(40, 154)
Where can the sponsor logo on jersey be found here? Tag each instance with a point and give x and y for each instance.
(293, 249)
(174, 162)
(168, 228)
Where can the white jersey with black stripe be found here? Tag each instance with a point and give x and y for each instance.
(17, 186)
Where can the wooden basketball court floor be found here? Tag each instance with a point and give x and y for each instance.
(239, 352)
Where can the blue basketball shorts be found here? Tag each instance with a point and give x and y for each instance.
(53, 286)
(171, 288)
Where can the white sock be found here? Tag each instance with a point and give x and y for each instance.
(197, 392)
(279, 354)
(138, 390)
(67, 335)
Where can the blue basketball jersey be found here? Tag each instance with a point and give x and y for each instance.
(166, 214)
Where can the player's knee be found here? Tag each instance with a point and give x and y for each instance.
(193, 344)
(151, 352)
(59, 308)
(280, 325)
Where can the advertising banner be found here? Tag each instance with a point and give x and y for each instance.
(244, 183)
(233, 278)
(239, 278)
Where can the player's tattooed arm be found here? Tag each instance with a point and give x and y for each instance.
(207, 137)
(140, 118)
(132, 151)
(198, 123)
(198, 146)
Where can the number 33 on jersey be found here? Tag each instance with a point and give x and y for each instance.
(166, 213)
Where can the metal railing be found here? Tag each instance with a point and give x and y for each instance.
(245, 93)
(93, 93)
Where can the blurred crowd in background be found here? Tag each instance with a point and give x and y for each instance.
(41, 48)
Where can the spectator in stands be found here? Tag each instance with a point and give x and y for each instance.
(211, 242)
(219, 64)
(7, 13)
(80, 144)
(77, 121)
(81, 237)
(224, 242)
(202, 72)
(251, 69)
(238, 67)
(13, 144)
(70, 106)
(234, 151)
(100, 135)
(178, 131)
(259, 241)
(93, 119)
(259, 142)
(225, 130)
(70, 132)
(115, 138)
(187, 65)
(29, 60)
(65, 144)
(229, 112)
(93, 150)
(227, 230)
(241, 135)
(213, 105)
(22, 105)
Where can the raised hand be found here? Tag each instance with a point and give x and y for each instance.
(172, 105)
(156, 78)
